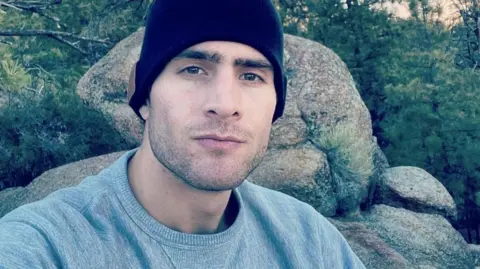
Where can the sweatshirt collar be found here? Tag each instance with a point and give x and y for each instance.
(157, 230)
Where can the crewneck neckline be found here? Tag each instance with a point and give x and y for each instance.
(158, 231)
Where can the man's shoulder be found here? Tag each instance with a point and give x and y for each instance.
(64, 204)
(287, 213)
(59, 228)
(299, 225)
(74, 199)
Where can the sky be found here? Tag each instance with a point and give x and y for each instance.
(402, 10)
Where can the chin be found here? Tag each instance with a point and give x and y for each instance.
(215, 181)
(214, 186)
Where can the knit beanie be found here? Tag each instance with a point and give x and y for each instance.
(175, 25)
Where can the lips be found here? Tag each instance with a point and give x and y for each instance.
(219, 143)
(221, 138)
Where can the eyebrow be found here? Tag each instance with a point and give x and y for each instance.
(253, 63)
(200, 55)
(217, 58)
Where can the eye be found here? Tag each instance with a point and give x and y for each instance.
(251, 77)
(193, 70)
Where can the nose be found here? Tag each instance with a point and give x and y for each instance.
(223, 97)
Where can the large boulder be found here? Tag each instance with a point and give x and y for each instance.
(425, 240)
(321, 89)
(321, 93)
(415, 189)
(104, 87)
(52, 180)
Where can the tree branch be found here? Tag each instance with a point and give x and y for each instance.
(34, 7)
(5, 42)
(70, 44)
(53, 34)
(109, 8)
(9, 5)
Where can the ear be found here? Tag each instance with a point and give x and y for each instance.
(145, 110)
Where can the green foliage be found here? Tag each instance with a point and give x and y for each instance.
(349, 158)
(432, 109)
(432, 119)
(42, 132)
(466, 34)
(12, 74)
(43, 123)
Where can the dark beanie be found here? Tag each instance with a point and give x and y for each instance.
(175, 25)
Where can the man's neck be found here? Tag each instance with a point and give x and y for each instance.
(174, 203)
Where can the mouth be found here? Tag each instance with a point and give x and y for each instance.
(221, 138)
(216, 142)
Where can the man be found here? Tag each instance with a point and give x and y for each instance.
(209, 83)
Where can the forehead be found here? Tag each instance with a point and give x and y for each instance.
(229, 51)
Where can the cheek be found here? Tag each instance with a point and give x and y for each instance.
(166, 115)
(261, 115)
(172, 99)
(263, 107)
(175, 117)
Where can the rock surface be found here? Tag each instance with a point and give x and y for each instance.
(406, 187)
(380, 164)
(475, 249)
(308, 180)
(322, 93)
(369, 247)
(52, 180)
(422, 239)
(321, 88)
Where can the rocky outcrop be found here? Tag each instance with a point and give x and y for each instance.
(52, 180)
(422, 239)
(415, 189)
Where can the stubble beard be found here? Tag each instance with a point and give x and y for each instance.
(185, 167)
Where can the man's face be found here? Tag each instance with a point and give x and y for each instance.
(210, 114)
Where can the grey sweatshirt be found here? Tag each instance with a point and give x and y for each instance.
(100, 224)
